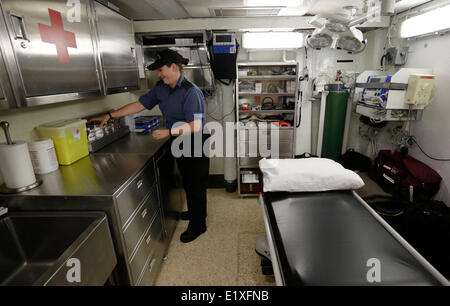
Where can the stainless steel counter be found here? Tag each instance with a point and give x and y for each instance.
(99, 174)
(134, 144)
(94, 175)
(93, 184)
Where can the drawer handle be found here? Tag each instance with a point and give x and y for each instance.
(151, 264)
(144, 213)
(133, 54)
(149, 238)
(139, 183)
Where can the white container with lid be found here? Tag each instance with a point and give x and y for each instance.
(43, 155)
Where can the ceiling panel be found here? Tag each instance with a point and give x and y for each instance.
(176, 9)
(202, 8)
(151, 9)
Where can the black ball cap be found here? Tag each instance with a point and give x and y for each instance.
(166, 57)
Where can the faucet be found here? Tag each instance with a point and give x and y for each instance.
(3, 210)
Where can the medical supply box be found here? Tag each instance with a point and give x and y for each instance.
(69, 137)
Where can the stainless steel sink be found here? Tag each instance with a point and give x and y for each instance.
(44, 248)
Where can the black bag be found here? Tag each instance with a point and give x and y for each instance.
(355, 161)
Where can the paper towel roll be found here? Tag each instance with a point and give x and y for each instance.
(15, 165)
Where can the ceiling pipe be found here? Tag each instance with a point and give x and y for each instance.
(387, 7)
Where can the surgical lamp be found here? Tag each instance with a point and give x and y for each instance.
(337, 32)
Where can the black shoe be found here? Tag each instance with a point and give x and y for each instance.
(185, 215)
(192, 233)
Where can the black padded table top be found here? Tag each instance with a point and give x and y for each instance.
(327, 238)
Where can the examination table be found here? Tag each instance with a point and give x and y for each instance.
(335, 238)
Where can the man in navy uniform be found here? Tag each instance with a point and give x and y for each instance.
(183, 105)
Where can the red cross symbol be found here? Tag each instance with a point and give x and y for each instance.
(55, 34)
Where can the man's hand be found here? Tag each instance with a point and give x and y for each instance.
(160, 134)
(102, 119)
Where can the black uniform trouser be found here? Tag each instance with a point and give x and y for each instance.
(194, 172)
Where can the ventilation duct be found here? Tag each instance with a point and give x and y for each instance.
(245, 12)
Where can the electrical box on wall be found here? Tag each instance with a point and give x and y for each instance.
(224, 43)
(420, 89)
(396, 56)
(224, 49)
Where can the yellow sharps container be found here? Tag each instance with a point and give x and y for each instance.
(69, 137)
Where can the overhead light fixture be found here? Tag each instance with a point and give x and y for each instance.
(272, 40)
(434, 21)
(353, 43)
(336, 33)
(335, 26)
(319, 39)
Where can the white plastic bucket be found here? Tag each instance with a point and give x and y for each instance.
(43, 155)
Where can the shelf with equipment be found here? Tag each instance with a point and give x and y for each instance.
(277, 111)
(266, 101)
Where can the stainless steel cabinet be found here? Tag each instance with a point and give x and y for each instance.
(117, 48)
(143, 235)
(6, 95)
(4, 83)
(49, 51)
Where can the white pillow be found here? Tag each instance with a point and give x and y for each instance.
(307, 174)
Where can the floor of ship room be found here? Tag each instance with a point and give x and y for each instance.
(225, 255)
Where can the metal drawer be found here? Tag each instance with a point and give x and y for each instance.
(130, 198)
(285, 135)
(134, 230)
(147, 244)
(284, 148)
(152, 267)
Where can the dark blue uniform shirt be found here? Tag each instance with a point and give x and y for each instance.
(178, 104)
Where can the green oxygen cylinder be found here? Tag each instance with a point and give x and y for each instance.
(334, 123)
